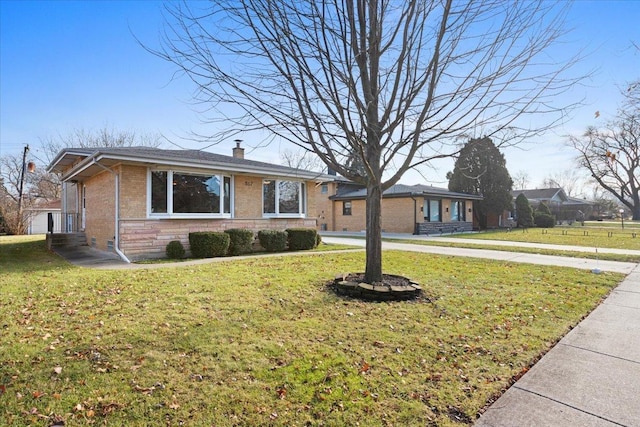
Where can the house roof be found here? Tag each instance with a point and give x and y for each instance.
(542, 194)
(402, 190)
(47, 205)
(79, 163)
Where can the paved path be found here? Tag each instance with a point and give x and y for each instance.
(590, 378)
(583, 263)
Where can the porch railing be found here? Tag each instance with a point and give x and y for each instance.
(63, 222)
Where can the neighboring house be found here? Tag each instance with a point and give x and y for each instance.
(416, 209)
(564, 208)
(38, 214)
(135, 200)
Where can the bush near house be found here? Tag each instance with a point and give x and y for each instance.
(240, 241)
(544, 220)
(175, 250)
(273, 240)
(301, 239)
(208, 244)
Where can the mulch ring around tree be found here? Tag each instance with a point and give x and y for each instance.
(392, 287)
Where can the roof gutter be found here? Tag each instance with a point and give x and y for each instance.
(116, 238)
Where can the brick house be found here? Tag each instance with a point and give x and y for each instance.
(415, 209)
(135, 200)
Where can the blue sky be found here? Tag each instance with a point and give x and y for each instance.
(76, 65)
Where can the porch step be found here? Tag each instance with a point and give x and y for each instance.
(66, 239)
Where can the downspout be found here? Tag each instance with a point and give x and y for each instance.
(415, 216)
(116, 238)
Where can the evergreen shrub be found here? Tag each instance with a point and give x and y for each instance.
(301, 239)
(240, 241)
(544, 220)
(208, 244)
(273, 240)
(175, 250)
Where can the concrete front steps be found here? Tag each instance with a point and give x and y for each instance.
(66, 240)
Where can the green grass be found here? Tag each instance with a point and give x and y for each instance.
(593, 237)
(541, 251)
(263, 341)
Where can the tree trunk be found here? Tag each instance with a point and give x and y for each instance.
(636, 212)
(373, 269)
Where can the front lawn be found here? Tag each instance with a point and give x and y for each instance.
(263, 341)
(593, 237)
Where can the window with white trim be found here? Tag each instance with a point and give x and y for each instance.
(187, 194)
(283, 198)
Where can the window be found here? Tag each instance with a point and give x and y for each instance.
(431, 210)
(190, 194)
(346, 208)
(283, 198)
(457, 210)
(324, 189)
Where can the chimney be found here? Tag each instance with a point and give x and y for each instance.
(238, 152)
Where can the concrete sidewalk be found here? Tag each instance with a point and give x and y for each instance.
(590, 378)
(561, 261)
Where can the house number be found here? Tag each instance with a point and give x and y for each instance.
(248, 183)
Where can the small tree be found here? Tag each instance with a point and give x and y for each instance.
(524, 211)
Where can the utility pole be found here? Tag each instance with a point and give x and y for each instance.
(24, 168)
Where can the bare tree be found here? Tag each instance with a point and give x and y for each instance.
(611, 154)
(569, 180)
(302, 159)
(521, 180)
(41, 185)
(392, 83)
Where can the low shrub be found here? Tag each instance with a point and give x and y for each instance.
(273, 240)
(301, 239)
(544, 220)
(175, 250)
(240, 241)
(208, 244)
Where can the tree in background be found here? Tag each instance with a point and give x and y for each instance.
(524, 212)
(481, 169)
(520, 180)
(611, 154)
(569, 180)
(392, 83)
(41, 185)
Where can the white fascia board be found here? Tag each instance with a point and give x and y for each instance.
(218, 166)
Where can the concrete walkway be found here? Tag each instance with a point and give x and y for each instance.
(583, 263)
(590, 378)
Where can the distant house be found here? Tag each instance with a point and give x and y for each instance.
(415, 209)
(135, 200)
(38, 214)
(564, 208)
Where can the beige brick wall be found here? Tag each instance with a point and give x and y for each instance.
(144, 239)
(133, 191)
(100, 209)
(323, 207)
(397, 215)
(248, 196)
(354, 222)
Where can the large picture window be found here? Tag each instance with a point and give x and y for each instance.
(190, 194)
(457, 210)
(431, 210)
(282, 198)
